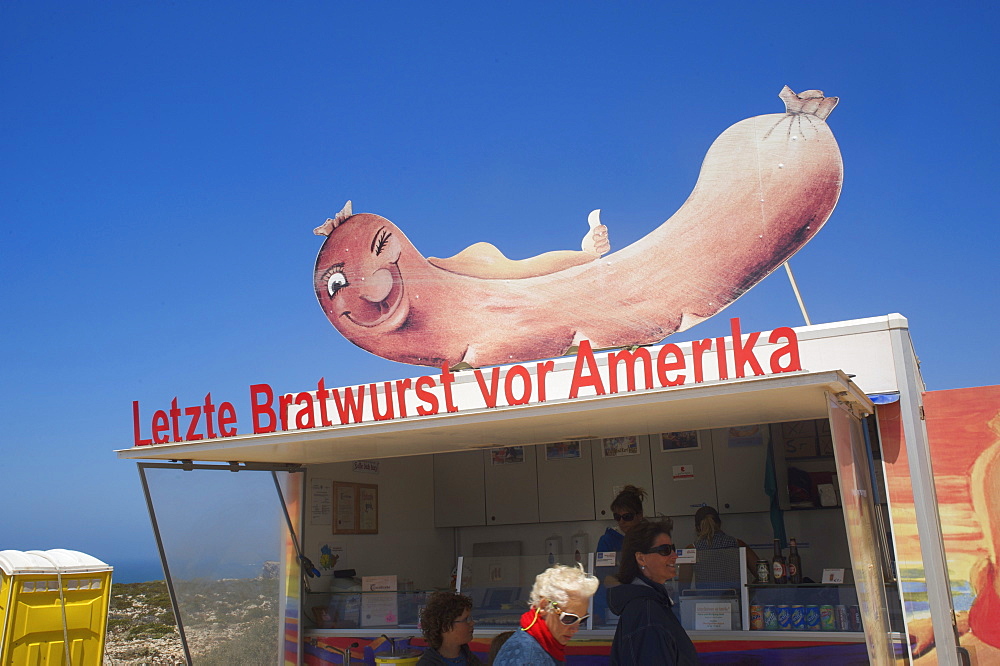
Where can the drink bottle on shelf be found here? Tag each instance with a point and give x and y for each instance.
(779, 570)
(794, 563)
(763, 571)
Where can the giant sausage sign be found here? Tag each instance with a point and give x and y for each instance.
(766, 187)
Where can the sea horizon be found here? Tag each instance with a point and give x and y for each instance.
(144, 571)
(136, 571)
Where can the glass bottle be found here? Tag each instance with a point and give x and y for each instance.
(794, 563)
(779, 571)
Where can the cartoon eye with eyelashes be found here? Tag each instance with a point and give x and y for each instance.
(380, 240)
(335, 279)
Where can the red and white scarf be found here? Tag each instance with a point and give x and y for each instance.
(535, 625)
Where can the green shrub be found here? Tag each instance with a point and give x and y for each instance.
(151, 630)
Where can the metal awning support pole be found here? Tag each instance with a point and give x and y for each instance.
(163, 561)
(306, 567)
(798, 296)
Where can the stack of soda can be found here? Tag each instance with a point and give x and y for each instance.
(849, 618)
(801, 617)
(798, 620)
(827, 619)
(812, 618)
(784, 617)
(756, 617)
(771, 618)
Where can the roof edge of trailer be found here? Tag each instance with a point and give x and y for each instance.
(785, 397)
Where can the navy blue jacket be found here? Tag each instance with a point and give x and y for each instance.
(648, 631)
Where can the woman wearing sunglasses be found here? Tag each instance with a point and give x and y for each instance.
(626, 509)
(648, 632)
(559, 601)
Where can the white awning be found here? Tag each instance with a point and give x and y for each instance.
(784, 397)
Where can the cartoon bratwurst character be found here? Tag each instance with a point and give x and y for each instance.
(766, 187)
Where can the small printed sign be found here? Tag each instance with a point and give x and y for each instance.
(320, 501)
(380, 609)
(713, 617)
(366, 466)
(606, 559)
(687, 555)
(378, 583)
(683, 472)
(833, 575)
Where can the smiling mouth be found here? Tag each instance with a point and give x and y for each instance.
(369, 314)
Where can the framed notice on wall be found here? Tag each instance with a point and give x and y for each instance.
(345, 508)
(676, 441)
(367, 508)
(562, 450)
(615, 447)
(355, 508)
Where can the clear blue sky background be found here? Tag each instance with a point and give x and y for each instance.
(164, 163)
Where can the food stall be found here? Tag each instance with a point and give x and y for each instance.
(478, 479)
(550, 383)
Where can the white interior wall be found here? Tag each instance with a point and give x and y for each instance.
(407, 545)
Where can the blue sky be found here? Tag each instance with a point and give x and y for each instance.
(164, 164)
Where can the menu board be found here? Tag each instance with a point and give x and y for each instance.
(320, 501)
(355, 508)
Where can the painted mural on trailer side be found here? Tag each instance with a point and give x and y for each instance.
(963, 427)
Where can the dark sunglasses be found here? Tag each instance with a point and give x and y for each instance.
(623, 516)
(568, 619)
(665, 550)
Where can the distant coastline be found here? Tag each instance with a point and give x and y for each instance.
(135, 571)
(144, 571)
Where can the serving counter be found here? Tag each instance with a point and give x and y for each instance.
(719, 621)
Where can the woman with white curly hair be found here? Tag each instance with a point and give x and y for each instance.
(559, 601)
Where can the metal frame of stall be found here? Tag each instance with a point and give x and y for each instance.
(189, 465)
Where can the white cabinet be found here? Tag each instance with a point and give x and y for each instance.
(565, 482)
(740, 459)
(683, 472)
(511, 485)
(613, 470)
(459, 491)
(522, 485)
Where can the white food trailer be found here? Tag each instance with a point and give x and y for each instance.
(477, 480)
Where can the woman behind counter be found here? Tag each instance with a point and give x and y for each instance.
(626, 509)
(648, 632)
(559, 600)
(447, 624)
(718, 563)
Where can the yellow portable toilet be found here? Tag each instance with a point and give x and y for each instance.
(54, 605)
